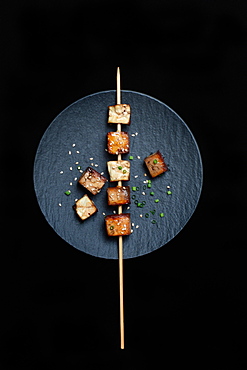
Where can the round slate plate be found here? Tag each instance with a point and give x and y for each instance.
(77, 137)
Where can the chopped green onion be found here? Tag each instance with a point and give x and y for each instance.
(144, 202)
(136, 201)
(155, 161)
(149, 185)
(120, 167)
(169, 192)
(134, 196)
(144, 187)
(124, 171)
(134, 188)
(147, 215)
(157, 200)
(137, 188)
(131, 157)
(153, 222)
(149, 181)
(153, 212)
(111, 227)
(68, 192)
(162, 214)
(151, 193)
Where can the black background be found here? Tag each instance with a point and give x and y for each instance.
(185, 304)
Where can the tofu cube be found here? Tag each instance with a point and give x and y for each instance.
(118, 142)
(92, 180)
(118, 195)
(85, 207)
(156, 164)
(119, 170)
(117, 225)
(119, 113)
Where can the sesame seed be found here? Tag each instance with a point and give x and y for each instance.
(114, 211)
(91, 158)
(137, 226)
(136, 133)
(61, 171)
(71, 168)
(81, 171)
(71, 183)
(77, 151)
(76, 199)
(138, 157)
(128, 207)
(135, 176)
(145, 174)
(133, 135)
(75, 178)
(102, 173)
(91, 164)
(141, 215)
(143, 193)
(73, 145)
(60, 204)
(76, 162)
(132, 224)
(96, 165)
(103, 213)
(69, 152)
(131, 231)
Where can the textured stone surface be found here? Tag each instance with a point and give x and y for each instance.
(84, 123)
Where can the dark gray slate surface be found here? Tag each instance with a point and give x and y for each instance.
(84, 123)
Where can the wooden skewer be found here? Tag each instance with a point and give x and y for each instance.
(120, 238)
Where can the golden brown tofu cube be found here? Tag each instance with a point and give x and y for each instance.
(119, 113)
(85, 207)
(119, 170)
(156, 164)
(92, 180)
(118, 195)
(117, 142)
(117, 225)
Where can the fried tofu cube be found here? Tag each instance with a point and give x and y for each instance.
(92, 180)
(85, 207)
(156, 164)
(119, 113)
(118, 195)
(118, 142)
(119, 170)
(117, 225)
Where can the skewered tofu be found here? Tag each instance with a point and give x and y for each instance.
(92, 180)
(117, 225)
(156, 164)
(119, 170)
(119, 113)
(118, 195)
(117, 142)
(85, 207)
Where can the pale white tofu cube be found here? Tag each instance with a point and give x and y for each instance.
(119, 170)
